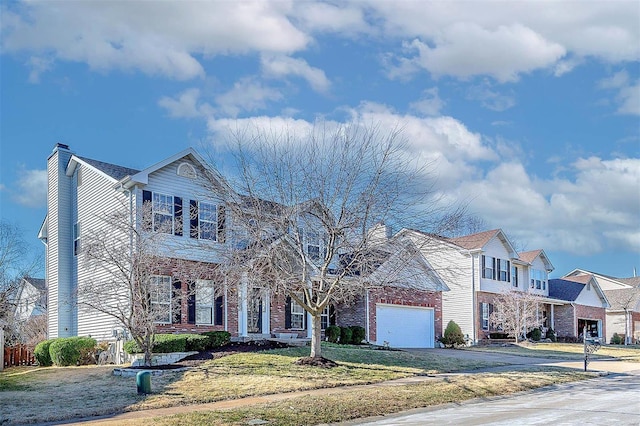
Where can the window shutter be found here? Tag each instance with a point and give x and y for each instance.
(494, 267)
(508, 271)
(177, 216)
(193, 219)
(176, 305)
(332, 315)
(147, 198)
(191, 304)
(287, 313)
(221, 223)
(483, 266)
(219, 311)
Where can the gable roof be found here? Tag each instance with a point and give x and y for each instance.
(624, 298)
(563, 289)
(633, 281)
(475, 241)
(529, 256)
(112, 170)
(38, 283)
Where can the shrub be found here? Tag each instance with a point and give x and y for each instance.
(498, 335)
(357, 334)
(196, 342)
(165, 343)
(131, 347)
(452, 335)
(551, 335)
(41, 352)
(345, 335)
(333, 333)
(535, 334)
(217, 339)
(72, 350)
(616, 339)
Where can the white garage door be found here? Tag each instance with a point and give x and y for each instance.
(404, 326)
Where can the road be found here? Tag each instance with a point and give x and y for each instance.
(607, 400)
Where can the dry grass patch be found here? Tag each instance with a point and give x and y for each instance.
(378, 400)
(573, 351)
(33, 394)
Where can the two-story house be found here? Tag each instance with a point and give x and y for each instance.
(198, 226)
(477, 268)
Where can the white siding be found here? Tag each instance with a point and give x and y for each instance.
(494, 248)
(615, 324)
(96, 197)
(589, 297)
(457, 271)
(167, 181)
(61, 322)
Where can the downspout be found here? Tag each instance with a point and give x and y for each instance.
(474, 299)
(575, 320)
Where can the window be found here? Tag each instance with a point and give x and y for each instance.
(324, 318)
(187, 170)
(485, 315)
(313, 245)
(163, 213)
(538, 279)
(488, 265)
(76, 238)
(297, 316)
(205, 300)
(514, 276)
(503, 270)
(160, 294)
(207, 221)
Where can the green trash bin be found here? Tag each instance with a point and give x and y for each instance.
(143, 381)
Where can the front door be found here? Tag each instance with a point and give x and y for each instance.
(254, 308)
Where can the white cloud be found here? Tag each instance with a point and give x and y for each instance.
(594, 208)
(161, 38)
(490, 98)
(31, 188)
(507, 39)
(247, 95)
(628, 96)
(283, 66)
(429, 104)
(464, 50)
(184, 106)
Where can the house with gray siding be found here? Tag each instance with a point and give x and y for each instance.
(199, 228)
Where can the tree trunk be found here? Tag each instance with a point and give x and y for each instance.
(316, 336)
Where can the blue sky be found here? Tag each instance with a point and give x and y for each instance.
(530, 110)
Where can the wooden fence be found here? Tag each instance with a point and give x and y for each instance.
(18, 355)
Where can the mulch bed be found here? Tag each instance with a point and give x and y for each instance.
(229, 349)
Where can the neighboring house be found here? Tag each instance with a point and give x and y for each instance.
(477, 268)
(31, 299)
(81, 190)
(586, 308)
(623, 316)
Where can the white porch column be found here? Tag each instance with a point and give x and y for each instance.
(242, 307)
(553, 318)
(266, 312)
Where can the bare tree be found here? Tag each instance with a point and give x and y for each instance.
(16, 262)
(124, 257)
(311, 214)
(516, 313)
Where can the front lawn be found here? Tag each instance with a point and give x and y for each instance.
(29, 394)
(375, 401)
(572, 351)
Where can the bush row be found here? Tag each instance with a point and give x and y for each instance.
(65, 351)
(353, 335)
(164, 343)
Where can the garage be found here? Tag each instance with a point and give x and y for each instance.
(405, 326)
